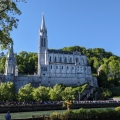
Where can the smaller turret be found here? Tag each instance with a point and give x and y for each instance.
(10, 64)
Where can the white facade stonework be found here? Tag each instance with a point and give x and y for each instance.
(54, 67)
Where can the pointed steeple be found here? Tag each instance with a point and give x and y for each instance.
(10, 62)
(11, 52)
(43, 45)
(43, 27)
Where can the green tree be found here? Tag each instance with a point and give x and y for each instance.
(27, 62)
(68, 94)
(8, 10)
(55, 92)
(7, 91)
(114, 69)
(80, 89)
(41, 93)
(107, 93)
(105, 68)
(2, 64)
(102, 79)
(25, 93)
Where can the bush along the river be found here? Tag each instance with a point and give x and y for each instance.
(84, 114)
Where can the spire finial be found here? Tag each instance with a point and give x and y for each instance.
(43, 23)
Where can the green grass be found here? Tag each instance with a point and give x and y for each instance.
(37, 113)
(28, 114)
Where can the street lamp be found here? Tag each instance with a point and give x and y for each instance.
(79, 96)
(79, 92)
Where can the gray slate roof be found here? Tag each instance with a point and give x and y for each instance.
(59, 51)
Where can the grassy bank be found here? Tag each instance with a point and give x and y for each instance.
(28, 114)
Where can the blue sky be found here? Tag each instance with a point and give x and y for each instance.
(88, 23)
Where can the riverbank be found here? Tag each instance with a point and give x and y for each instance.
(23, 115)
(43, 107)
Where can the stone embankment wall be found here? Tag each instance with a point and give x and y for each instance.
(42, 107)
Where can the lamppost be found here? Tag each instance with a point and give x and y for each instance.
(79, 92)
(4, 5)
(79, 95)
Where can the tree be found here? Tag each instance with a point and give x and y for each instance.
(96, 64)
(80, 89)
(114, 69)
(7, 10)
(75, 48)
(7, 92)
(68, 95)
(107, 93)
(27, 62)
(3, 7)
(2, 64)
(55, 92)
(41, 93)
(105, 68)
(102, 79)
(25, 93)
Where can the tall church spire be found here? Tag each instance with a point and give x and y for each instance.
(43, 27)
(43, 46)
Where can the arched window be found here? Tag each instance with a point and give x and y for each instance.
(44, 42)
(55, 59)
(72, 68)
(56, 67)
(41, 42)
(65, 60)
(76, 60)
(82, 61)
(43, 68)
(70, 60)
(60, 59)
(50, 59)
(67, 67)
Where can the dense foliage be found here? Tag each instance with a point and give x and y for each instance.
(41, 93)
(7, 92)
(27, 62)
(8, 11)
(84, 114)
(25, 93)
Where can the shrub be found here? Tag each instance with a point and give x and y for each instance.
(117, 109)
(55, 116)
(83, 114)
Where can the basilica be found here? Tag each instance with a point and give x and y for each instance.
(54, 66)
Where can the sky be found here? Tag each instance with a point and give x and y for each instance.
(88, 23)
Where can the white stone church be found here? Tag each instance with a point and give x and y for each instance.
(54, 67)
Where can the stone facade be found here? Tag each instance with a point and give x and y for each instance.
(54, 66)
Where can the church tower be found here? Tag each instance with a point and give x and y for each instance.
(43, 46)
(10, 64)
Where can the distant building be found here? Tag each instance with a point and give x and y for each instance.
(54, 67)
